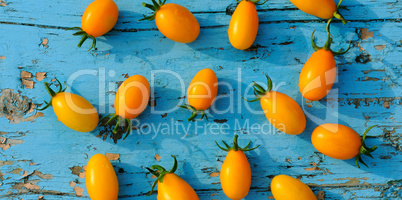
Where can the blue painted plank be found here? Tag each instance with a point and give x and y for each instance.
(44, 158)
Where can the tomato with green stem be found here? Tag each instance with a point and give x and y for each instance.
(284, 187)
(98, 19)
(243, 26)
(131, 100)
(201, 93)
(72, 110)
(170, 185)
(341, 142)
(325, 9)
(101, 180)
(235, 172)
(174, 21)
(319, 72)
(281, 111)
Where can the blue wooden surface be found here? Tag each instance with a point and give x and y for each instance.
(41, 157)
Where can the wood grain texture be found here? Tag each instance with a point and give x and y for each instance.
(41, 157)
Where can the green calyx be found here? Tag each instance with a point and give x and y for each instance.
(256, 2)
(160, 172)
(155, 7)
(259, 91)
(85, 36)
(120, 121)
(235, 146)
(195, 112)
(338, 15)
(327, 45)
(52, 93)
(364, 150)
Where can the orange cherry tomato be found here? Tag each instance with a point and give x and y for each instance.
(98, 19)
(284, 187)
(243, 25)
(340, 142)
(322, 8)
(281, 111)
(202, 92)
(235, 172)
(132, 97)
(318, 75)
(174, 21)
(171, 186)
(72, 110)
(319, 72)
(131, 100)
(101, 179)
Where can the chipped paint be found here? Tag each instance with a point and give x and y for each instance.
(379, 47)
(386, 101)
(16, 107)
(44, 43)
(3, 3)
(78, 191)
(2, 57)
(112, 156)
(157, 157)
(40, 76)
(365, 34)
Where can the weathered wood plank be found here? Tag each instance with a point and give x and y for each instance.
(44, 158)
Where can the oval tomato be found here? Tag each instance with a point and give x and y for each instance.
(281, 111)
(319, 72)
(72, 110)
(284, 187)
(174, 21)
(340, 142)
(318, 75)
(131, 100)
(243, 25)
(132, 97)
(235, 172)
(98, 19)
(201, 92)
(101, 179)
(322, 8)
(171, 186)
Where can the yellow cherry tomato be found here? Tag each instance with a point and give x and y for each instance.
(319, 72)
(98, 19)
(174, 21)
(235, 172)
(201, 92)
(171, 186)
(72, 110)
(243, 25)
(320, 8)
(132, 97)
(131, 100)
(318, 75)
(203, 89)
(101, 179)
(340, 142)
(175, 188)
(284, 187)
(281, 111)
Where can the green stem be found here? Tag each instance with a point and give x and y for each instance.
(84, 37)
(364, 150)
(155, 7)
(52, 93)
(160, 172)
(338, 15)
(235, 146)
(259, 91)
